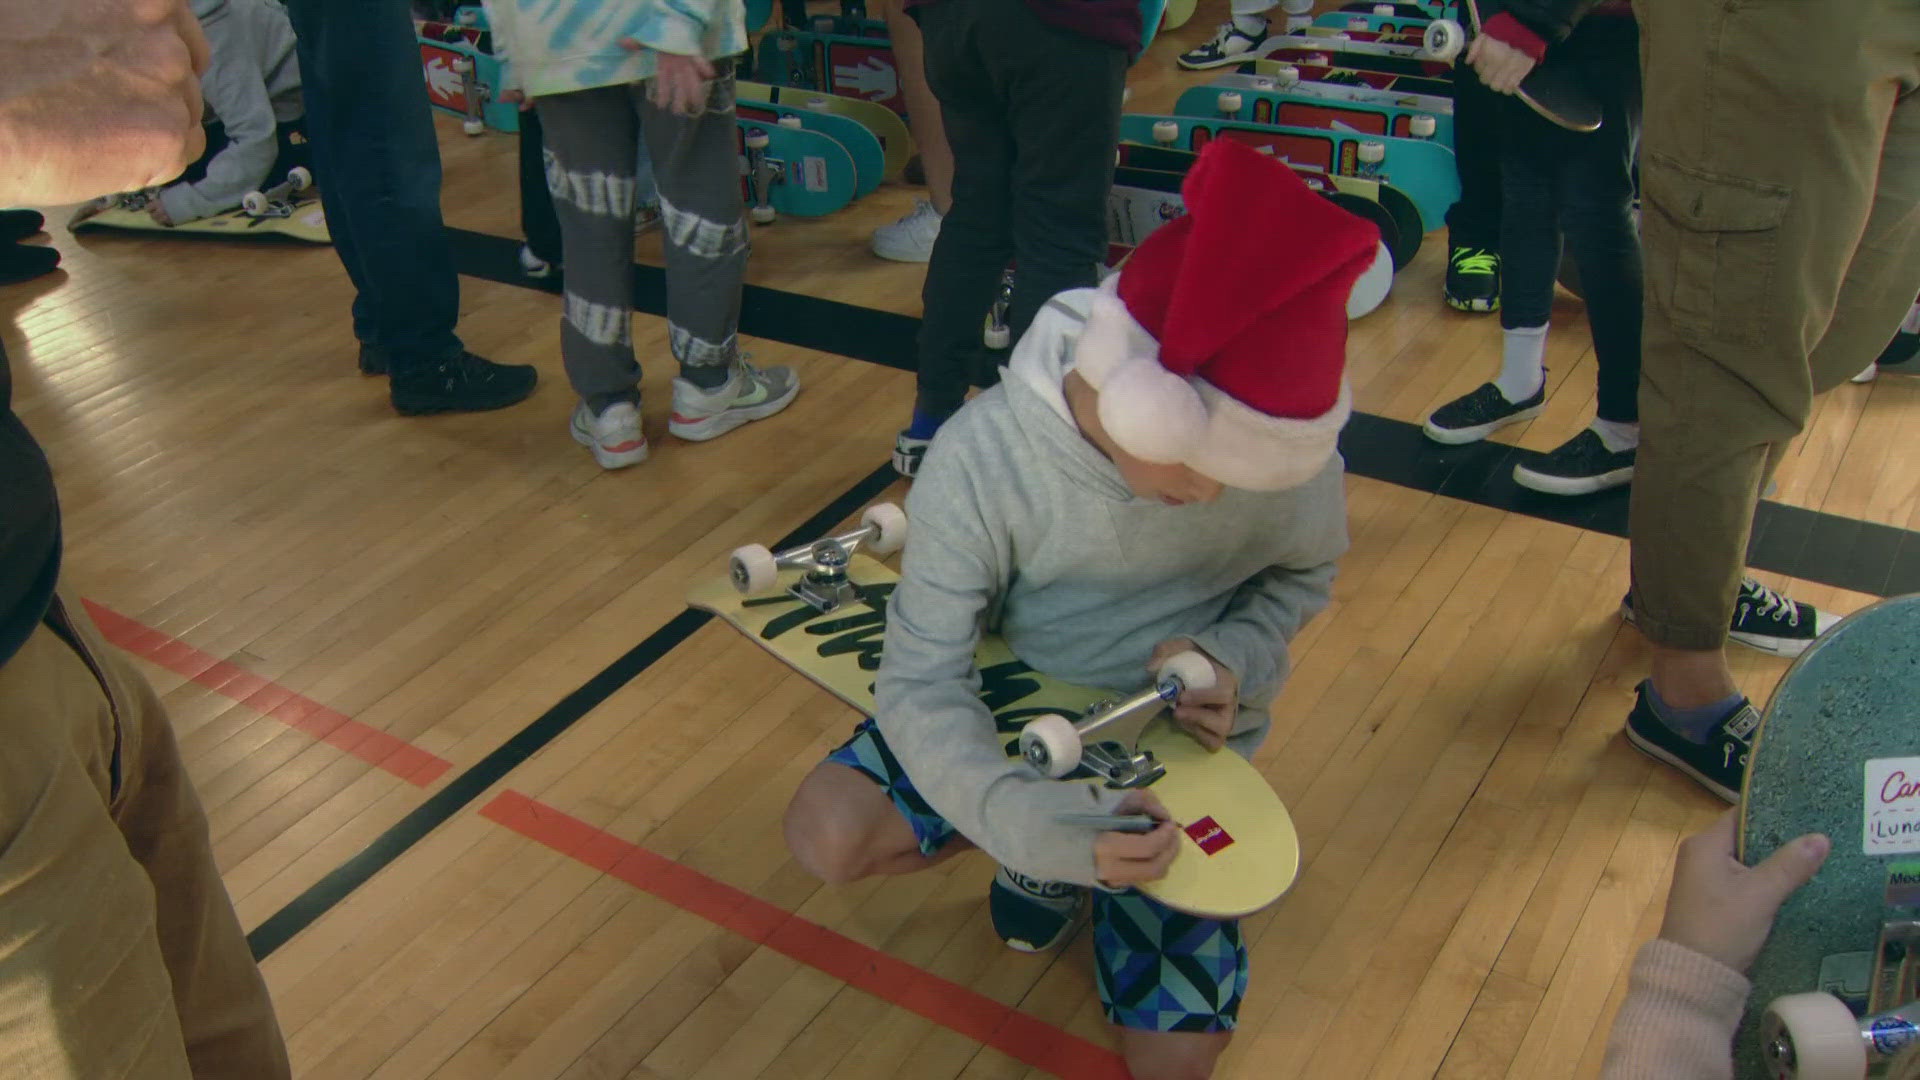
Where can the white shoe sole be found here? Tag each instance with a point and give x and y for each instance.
(1772, 646)
(727, 419)
(906, 253)
(609, 459)
(1570, 485)
(1465, 435)
(1658, 753)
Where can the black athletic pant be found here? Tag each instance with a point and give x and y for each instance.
(1474, 221)
(538, 221)
(1555, 183)
(1032, 114)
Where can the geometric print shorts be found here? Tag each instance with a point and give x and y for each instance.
(1157, 969)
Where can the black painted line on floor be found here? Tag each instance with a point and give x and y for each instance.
(1859, 556)
(301, 912)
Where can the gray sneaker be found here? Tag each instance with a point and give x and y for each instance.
(750, 394)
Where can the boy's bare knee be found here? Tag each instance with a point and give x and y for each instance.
(1172, 1055)
(824, 828)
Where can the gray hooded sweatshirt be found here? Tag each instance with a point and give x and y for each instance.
(1021, 526)
(252, 85)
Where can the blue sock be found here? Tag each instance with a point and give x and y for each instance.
(925, 424)
(1694, 724)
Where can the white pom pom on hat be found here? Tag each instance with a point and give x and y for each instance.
(1152, 412)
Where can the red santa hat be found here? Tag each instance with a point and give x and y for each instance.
(1222, 342)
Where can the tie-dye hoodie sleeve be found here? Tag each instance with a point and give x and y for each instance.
(558, 46)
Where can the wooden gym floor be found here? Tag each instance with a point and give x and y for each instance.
(493, 805)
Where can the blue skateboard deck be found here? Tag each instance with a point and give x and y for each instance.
(1277, 107)
(813, 175)
(861, 145)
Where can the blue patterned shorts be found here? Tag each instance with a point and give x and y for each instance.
(1157, 969)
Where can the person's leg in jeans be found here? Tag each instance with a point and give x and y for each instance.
(695, 164)
(373, 139)
(1782, 239)
(976, 241)
(538, 221)
(1594, 179)
(1473, 223)
(151, 976)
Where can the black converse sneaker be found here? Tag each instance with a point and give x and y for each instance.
(1473, 279)
(1765, 620)
(1719, 763)
(1579, 466)
(1230, 45)
(1472, 417)
(1032, 915)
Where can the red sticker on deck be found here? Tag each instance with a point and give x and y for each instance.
(1209, 835)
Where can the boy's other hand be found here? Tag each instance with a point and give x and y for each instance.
(679, 83)
(1499, 65)
(1207, 715)
(1724, 909)
(97, 97)
(1121, 859)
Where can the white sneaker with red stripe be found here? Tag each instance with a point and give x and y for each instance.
(614, 436)
(749, 394)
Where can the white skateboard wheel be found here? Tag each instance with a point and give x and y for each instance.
(1297, 7)
(753, 569)
(299, 178)
(790, 122)
(254, 202)
(1372, 152)
(1383, 9)
(1812, 1037)
(1423, 126)
(472, 127)
(763, 215)
(757, 140)
(819, 104)
(1166, 132)
(1194, 671)
(889, 523)
(1229, 103)
(462, 65)
(997, 337)
(466, 17)
(1339, 35)
(1297, 24)
(1286, 75)
(1371, 290)
(1263, 84)
(1359, 24)
(1443, 40)
(1050, 745)
(1126, 94)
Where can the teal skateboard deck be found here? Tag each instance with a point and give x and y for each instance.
(1300, 89)
(1433, 9)
(885, 124)
(466, 82)
(1423, 170)
(1308, 51)
(1325, 71)
(1358, 22)
(861, 145)
(1256, 106)
(805, 174)
(1838, 752)
(854, 67)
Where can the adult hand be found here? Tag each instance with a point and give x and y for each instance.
(1207, 715)
(679, 82)
(1121, 859)
(517, 97)
(1499, 65)
(1723, 909)
(97, 97)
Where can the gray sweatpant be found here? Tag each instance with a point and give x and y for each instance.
(592, 143)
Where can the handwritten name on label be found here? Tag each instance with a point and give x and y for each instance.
(1209, 835)
(1891, 796)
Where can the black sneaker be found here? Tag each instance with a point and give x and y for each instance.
(24, 262)
(1230, 45)
(20, 224)
(466, 383)
(1472, 417)
(1580, 466)
(373, 360)
(1473, 279)
(1032, 915)
(1719, 764)
(908, 452)
(1901, 356)
(1767, 621)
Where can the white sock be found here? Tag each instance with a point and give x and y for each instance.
(1616, 435)
(1250, 25)
(1522, 356)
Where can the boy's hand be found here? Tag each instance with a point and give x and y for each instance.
(517, 97)
(1500, 65)
(1122, 859)
(97, 96)
(679, 83)
(159, 214)
(1208, 714)
(1723, 909)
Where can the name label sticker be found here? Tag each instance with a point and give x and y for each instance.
(1903, 884)
(1892, 810)
(1208, 834)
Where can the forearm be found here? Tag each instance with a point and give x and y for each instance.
(1251, 638)
(233, 172)
(1678, 1018)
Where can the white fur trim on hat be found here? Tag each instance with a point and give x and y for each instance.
(1370, 291)
(1247, 449)
(1111, 337)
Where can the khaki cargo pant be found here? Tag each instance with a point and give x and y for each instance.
(1780, 173)
(120, 956)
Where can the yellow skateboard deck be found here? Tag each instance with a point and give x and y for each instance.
(1239, 851)
(301, 219)
(896, 144)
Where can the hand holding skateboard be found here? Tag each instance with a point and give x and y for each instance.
(1124, 857)
(1723, 909)
(1206, 713)
(1500, 65)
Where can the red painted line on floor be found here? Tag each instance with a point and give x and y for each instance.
(980, 1018)
(336, 729)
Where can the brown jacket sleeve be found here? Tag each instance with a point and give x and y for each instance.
(1678, 1019)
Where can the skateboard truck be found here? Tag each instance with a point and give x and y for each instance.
(277, 201)
(825, 586)
(471, 93)
(997, 334)
(1816, 1037)
(761, 174)
(1055, 746)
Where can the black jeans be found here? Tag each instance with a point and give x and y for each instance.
(373, 143)
(1556, 182)
(1032, 114)
(1474, 221)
